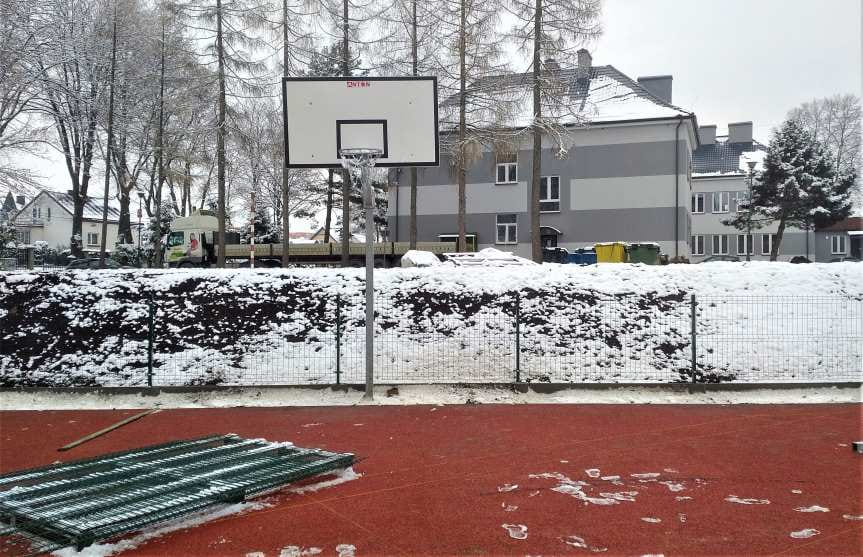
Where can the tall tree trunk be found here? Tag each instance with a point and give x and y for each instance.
(328, 219)
(774, 249)
(536, 168)
(124, 225)
(160, 153)
(412, 227)
(220, 133)
(104, 239)
(346, 176)
(286, 189)
(462, 129)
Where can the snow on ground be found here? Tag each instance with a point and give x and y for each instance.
(603, 323)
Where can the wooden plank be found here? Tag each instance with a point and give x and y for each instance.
(108, 429)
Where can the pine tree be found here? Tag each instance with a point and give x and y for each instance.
(797, 186)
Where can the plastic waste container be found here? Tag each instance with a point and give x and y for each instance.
(614, 252)
(644, 253)
(583, 256)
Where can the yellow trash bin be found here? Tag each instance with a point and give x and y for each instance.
(614, 252)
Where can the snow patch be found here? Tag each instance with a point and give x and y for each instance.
(736, 499)
(505, 488)
(297, 551)
(515, 531)
(812, 509)
(805, 533)
(592, 472)
(341, 477)
(346, 550)
(651, 519)
(852, 516)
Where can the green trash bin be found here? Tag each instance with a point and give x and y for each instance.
(644, 253)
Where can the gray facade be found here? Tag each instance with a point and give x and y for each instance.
(616, 184)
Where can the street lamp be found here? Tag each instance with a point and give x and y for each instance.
(140, 214)
(749, 242)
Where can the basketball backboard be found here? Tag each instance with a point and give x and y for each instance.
(396, 115)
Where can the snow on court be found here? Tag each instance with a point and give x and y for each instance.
(812, 509)
(736, 499)
(278, 326)
(805, 533)
(515, 531)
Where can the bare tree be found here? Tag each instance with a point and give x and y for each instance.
(836, 122)
(408, 42)
(550, 30)
(474, 113)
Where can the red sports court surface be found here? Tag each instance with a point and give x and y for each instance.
(576, 479)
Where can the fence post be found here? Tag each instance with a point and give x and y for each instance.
(693, 335)
(151, 320)
(338, 340)
(517, 337)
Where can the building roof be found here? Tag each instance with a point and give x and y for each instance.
(722, 157)
(600, 94)
(92, 206)
(851, 223)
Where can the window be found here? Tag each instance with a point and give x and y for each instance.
(37, 213)
(48, 210)
(24, 236)
(697, 202)
(507, 229)
(507, 169)
(720, 201)
(767, 243)
(744, 243)
(92, 239)
(837, 245)
(740, 199)
(698, 245)
(549, 194)
(720, 244)
(176, 238)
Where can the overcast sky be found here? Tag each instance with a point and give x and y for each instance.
(732, 60)
(737, 60)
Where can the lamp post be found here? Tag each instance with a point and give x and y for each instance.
(749, 246)
(140, 214)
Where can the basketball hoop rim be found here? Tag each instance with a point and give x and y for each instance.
(357, 152)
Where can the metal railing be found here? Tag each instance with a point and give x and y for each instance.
(299, 336)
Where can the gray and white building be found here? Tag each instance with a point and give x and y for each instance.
(720, 178)
(626, 176)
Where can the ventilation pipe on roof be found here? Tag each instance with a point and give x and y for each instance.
(677, 186)
(740, 132)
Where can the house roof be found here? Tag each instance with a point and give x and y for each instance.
(602, 94)
(851, 223)
(92, 206)
(722, 157)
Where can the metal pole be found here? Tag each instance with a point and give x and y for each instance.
(370, 283)
(252, 236)
(692, 306)
(517, 338)
(338, 340)
(151, 321)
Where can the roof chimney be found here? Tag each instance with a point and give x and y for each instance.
(740, 132)
(551, 65)
(585, 60)
(657, 85)
(707, 134)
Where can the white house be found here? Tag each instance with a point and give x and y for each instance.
(48, 218)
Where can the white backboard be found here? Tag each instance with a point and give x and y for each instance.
(397, 115)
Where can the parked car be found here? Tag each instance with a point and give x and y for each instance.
(93, 263)
(800, 259)
(713, 258)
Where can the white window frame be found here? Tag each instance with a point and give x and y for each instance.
(724, 199)
(720, 244)
(695, 199)
(770, 238)
(697, 244)
(737, 197)
(748, 239)
(95, 235)
(840, 240)
(510, 170)
(545, 181)
(24, 235)
(510, 230)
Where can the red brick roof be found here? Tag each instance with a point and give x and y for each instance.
(851, 223)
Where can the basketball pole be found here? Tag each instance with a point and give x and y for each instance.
(370, 283)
